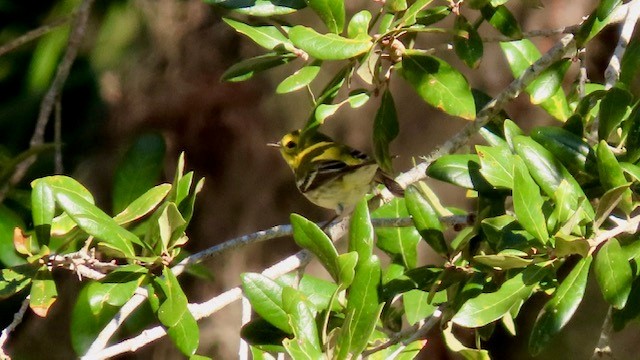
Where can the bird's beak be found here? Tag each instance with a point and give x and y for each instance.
(276, 145)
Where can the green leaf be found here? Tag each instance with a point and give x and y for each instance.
(96, 223)
(185, 334)
(570, 149)
(265, 296)
(591, 27)
(454, 169)
(395, 5)
(426, 220)
(143, 205)
(116, 288)
(385, 129)
(171, 226)
(633, 135)
(613, 273)
(361, 233)
(299, 79)
(439, 84)
(245, 69)
(606, 7)
(303, 323)
(611, 174)
(13, 280)
(489, 307)
(359, 24)
(630, 62)
(496, 165)
(331, 12)
(527, 203)
(502, 20)
(608, 202)
(85, 324)
(172, 309)
(416, 306)
(632, 170)
(614, 107)
(347, 264)
(467, 43)
(399, 242)
(503, 261)
(261, 7)
(319, 291)
(43, 292)
(11, 223)
(432, 15)
(328, 46)
(522, 54)
(409, 16)
(456, 346)
(511, 130)
(363, 309)
(559, 310)
(309, 236)
(43, 207)
(269, 37)
(138, 170)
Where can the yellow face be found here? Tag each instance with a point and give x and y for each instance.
(290, 147)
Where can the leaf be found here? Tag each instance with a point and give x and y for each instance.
(574, 153)
(633, 135)
(520, 55)
(489, 307)
(309, 236)
(172, 309)
(265, 296)
(496, 165)
(43, 292)
(399, 242)
(318, 291)
(303, 323)
(269, 37)
(426, 220)
(606, 7)
(143, 205)
(502, 20)
(385, 129)
(614, 107)
(185, 334)
(416, 306)
(439, 84)
(527, 203)
(85, 324)
(361, 232)
(138, 170)
(331, 12)
(328, 46)
(43, 207)
(261, 7)
(503, 261)
(11, 225)
(591, 27)
(461, 170)
(467, 42)
(560, 309)
(346, 266)
(630, 62)
(13, 280)
(613, 273)
(409, 16)
(359, 24)
(245, 69)
(363, 308)
(611, 174)
(456, 346)
(432, 15)
(299, 79)
(607, 203)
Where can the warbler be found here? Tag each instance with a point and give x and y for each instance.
(329, 174)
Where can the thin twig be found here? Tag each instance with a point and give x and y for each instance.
(46, 106)
(612, 73)
(17, 319)
(627, 226)
(57, 136)
(32, 35)
(603, 350)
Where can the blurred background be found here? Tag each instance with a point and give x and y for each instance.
(153, 66)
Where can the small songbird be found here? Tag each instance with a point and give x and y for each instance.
(331, 175)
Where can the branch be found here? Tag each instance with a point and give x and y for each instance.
(17, 319)
(628, 226)
(46, 106)
(603, 350)
(612, 73)
(32, 35)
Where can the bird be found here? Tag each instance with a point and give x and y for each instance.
(330, 174)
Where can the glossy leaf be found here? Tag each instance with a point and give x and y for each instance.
(488, 307)
(458, 347)
(245, 69)
(331, 12)
(85, 324)
(13, 280)
(11, 225)
(591, 27)
(303, 323)
(172, 309)
(432, 15)
(399, 242)
(467, 43)
(143, 205)
(361, 232)
(606, 7)
(265, 296)
(503, 261)
(570, 149)
(527, 203)
(385, 129)
(632, 170)
(558, 311)
(426, 220)
(416, 306)
(346, 266)
(630, 62)
(547, 85)
(328, 46)
(43, 206)
(309, 236)
(511, 130)
(613, 273)
(298, 79)
(185, 334)
(608, 202)
(496, 165)
(359, 24)
(116, 288)
(139, 170)
(633, 135)
(317, 291)
(43, 292)
(409, 16)
(611, 174)
(261, 7)
(269, 37)
(614, 106)
(502, 20)
(439, 84)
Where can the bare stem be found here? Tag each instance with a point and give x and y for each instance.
(32, 35)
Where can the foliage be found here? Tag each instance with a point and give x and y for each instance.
(559, 200)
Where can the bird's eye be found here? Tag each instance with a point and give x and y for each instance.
(290, 144)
